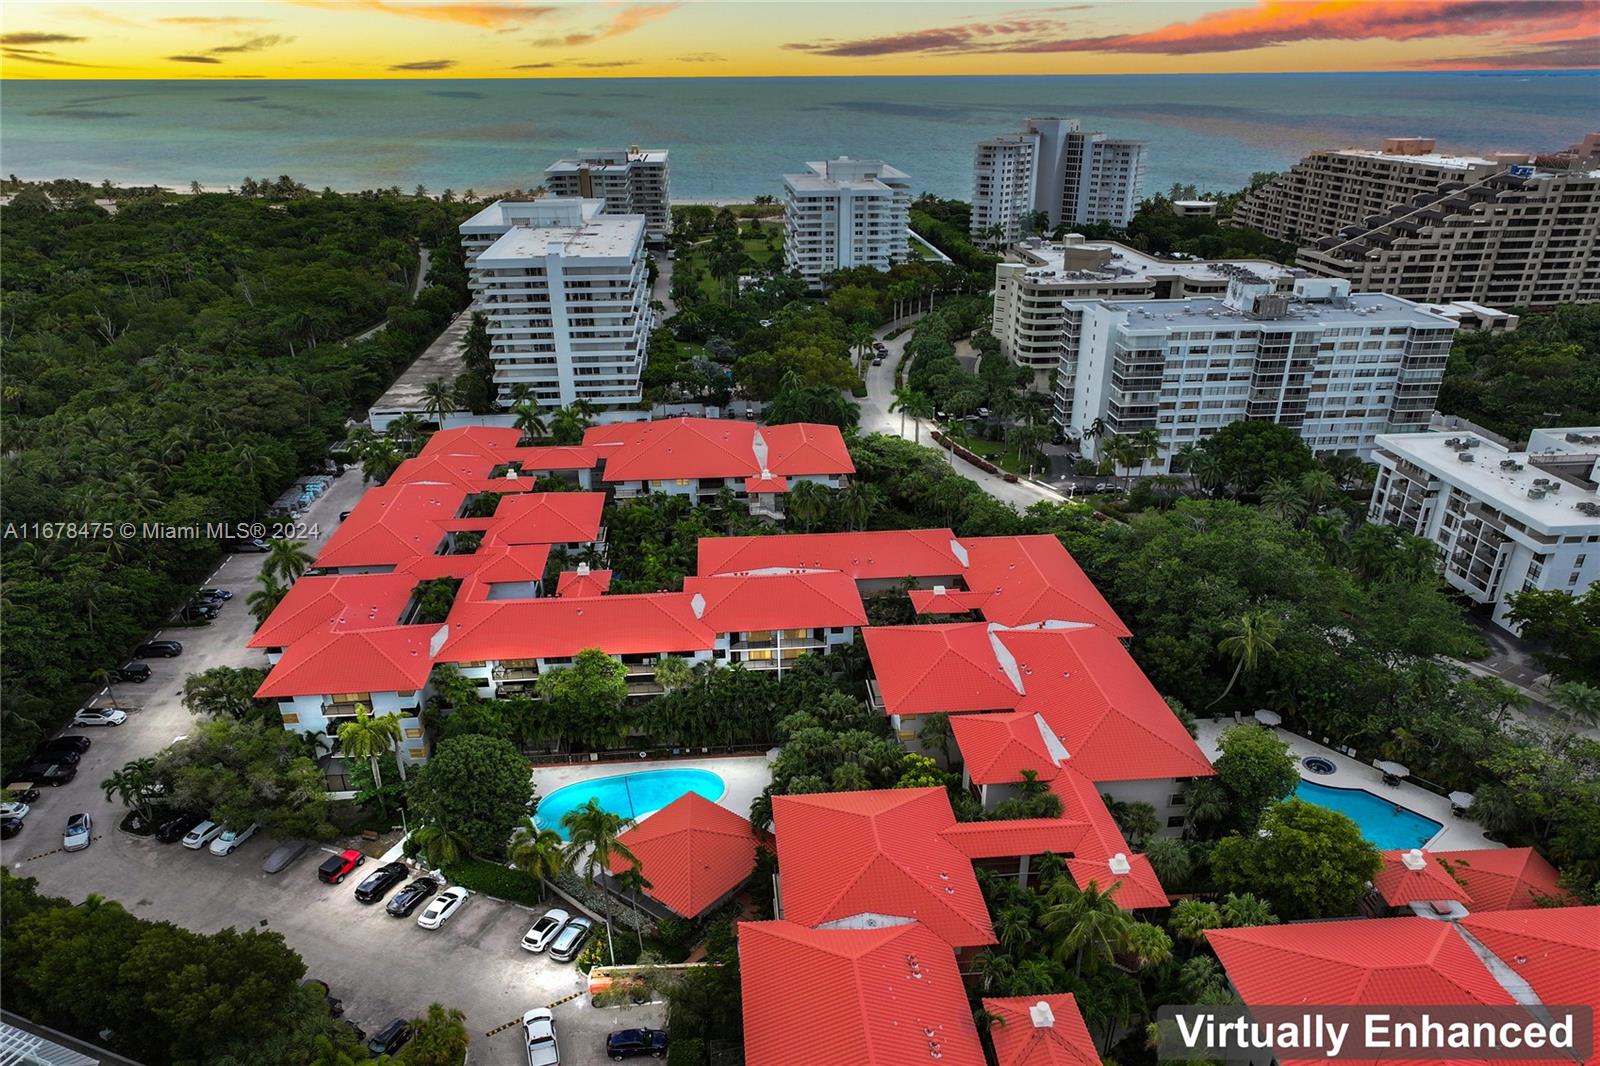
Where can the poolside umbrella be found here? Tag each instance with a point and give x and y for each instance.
(1461, 801)
(1392, 771)
(1269, 718)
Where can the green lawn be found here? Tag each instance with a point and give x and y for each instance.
(754, 247)
(997, 452)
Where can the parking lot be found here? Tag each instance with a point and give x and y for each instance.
(381, 967)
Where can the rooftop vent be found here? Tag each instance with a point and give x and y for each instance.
(1043, 1017)
(1589, 507)
(913, 967)
(1119, 864)
(1413, 859)
(1465, 457)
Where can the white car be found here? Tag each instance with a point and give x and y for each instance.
(100, 716)
(539, 1033)
(538, 937)
(76, 837)
(202, 834)
(14, 810)
(229, 839)
(443, 906)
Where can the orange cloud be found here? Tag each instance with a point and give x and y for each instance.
(626, 21)
(484, 16)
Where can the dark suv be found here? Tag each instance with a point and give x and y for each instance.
(403, 902)
(176, 828)
(636, 1044)
(390, 1038)
(380, 881)
(134, 671)
(158, 649)
(47, 773)
(336, 868)
(70, 742)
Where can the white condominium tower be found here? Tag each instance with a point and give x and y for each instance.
(844, 213)
(1337, 368)
(1052, 166)
(563, 286)
(632, 181)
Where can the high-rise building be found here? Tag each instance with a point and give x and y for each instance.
(632, 181)
(1337, 368)
(1505, 521)
(1028, 294)
(1524, 236)
(845, 213)
(563, 286)
(1053, 167)
(1329, 190)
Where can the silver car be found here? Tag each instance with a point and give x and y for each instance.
(539, 935)
(76, 837)
(569, 942)
(281, 857)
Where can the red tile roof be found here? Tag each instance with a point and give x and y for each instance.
(996, 748)
(395, 659)
(1505, 879)
(555, 457)
(673, 448)
(1017, 836)
(888, 996)
(692, 851)
(1102, 840)
(393, 524)
(1024, 1035)
(1034, 579)
(768, 482)
(843, 854)
(478, 440)
(575, 583)
(515, 563)
(864, 556)
(745, 602)
(555, 627)
(547, 518)
(924, 669)
(368, 601)
(940, 600)
(1555, 949)
(806, 448)
(1400, 884)
(1135, 889)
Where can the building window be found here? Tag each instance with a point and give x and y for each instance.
(1175, 800)
(1175, 822)
(291, 719)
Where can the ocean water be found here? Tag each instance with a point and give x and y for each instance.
(733, 137)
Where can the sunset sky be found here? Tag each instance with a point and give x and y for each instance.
(547, 38)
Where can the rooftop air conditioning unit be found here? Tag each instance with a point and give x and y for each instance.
(1589, 507)
(1465, 457)
(1536, 494)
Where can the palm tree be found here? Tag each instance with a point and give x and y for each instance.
(131, 785)
(807, 503)
(633, 881)
(918, 405)
(861, 337)
(379, 459)
(370, 737)
(1087, 924)
(1013, 926)
(1251, 637)
(1281, 498)
(536, 852)
(440, 846)
(265, 598)
(530, 420)
(858, 501)
(592, 842)
(568, 423)
(286, 560)
(440, 398)
(1318, 487)
(1242, 910)
(1148, 443)
(1148, 944)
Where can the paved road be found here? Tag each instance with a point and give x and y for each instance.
(424, 257)
(876, 418)
(381, 967)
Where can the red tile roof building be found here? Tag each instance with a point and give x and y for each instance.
(1556, 950)
(1040, 1031)
(695, 854)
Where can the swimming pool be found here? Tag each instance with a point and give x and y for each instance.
(1389, 826)
(630, 795)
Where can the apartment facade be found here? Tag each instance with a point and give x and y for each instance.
(632, 181)
(1053, 166)
(564, 288)
(1029, 292)
(1329, 190)
(1338, 368)
(1504, 521)
(1522, 237)
(845, 213)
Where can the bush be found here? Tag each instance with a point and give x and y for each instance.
(690, 1052)
(492, 879)
(594, 953)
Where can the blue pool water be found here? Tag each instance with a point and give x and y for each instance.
(1388, 826)
(630, 795)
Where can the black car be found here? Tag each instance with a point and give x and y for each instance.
(70, 742)
(158, 649)
(636, 1044)
(47, 773)
(56, 756)
(412, 896)
(198, 612)
(9, 827)
(380, 881)
(24, 795)
(175, 829)
(250, 544)
(216, 595)
(390, 1038)
(134, 671)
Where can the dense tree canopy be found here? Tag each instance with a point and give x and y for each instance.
(476, 787)
(1546, 372)
(1307, 862)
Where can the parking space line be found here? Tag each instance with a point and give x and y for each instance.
(53, 851)
(548, 1006)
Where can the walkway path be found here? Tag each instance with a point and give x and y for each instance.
(424, 257)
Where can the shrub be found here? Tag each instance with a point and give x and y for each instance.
(492, 879)
(690, 1052)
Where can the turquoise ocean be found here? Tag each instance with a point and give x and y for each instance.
(733, 137)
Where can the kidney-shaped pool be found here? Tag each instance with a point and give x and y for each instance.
(630, 795)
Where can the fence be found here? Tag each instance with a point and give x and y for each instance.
(570, 758)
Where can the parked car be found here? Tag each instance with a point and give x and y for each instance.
(9, 827)
(283, 856)
(22, 794)
(134, 671)
(336, 868)
(539, 1033)
(198, 613)
(403, 902)
(636, 1044)
(159, 649)
(335, 1005)
(539, 935)
(70, 742)
(60, 758)
(202, 834)
(175, 829)
(343, 515)
(390, 1038)
(381, 880)
(571, 939)
(216, 594)
(443, 907)
(48, 773)
(14, 810)
(101, 715)
(76, 836)
(228, 840)
(250, 544)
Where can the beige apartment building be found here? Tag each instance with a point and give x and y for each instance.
(1329, 190)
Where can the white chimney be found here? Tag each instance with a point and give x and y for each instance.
(511, 473)
(938, 590)
(583, 569)
(1413, 859)
(1043, 1017)
(1119, 864)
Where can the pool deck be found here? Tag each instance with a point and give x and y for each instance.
(744, 776)
(1458, 833)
